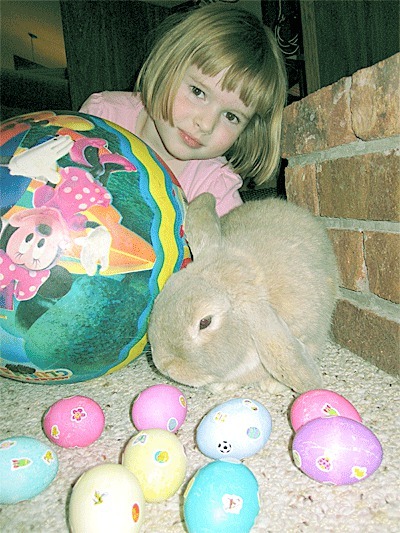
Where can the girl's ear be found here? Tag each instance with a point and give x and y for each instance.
(202, 224)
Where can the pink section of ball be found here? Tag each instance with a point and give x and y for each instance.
(74, 422)
(337, 451)
(159, 407)
(320, 403)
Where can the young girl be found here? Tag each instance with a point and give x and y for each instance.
(209, 100)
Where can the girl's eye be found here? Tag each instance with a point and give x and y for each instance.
(232, 118)
(197, 92)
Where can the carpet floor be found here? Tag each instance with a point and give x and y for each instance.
(290, 501)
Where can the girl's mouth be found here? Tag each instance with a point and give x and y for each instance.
(188, 140)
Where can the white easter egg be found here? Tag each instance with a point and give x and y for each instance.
(106, 498)
(27, 467)
(234, 429)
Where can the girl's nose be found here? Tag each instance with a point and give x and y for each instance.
(206, 121)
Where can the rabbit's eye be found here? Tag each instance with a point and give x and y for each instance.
(205, 322)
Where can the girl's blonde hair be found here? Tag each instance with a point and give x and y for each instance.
(215, 38)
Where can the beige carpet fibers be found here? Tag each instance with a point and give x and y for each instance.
(290, 501)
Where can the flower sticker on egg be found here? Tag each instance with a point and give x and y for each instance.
(78, 414)
(324, 463)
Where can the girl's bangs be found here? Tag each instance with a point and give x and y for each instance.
(254, 87)
(240, 74)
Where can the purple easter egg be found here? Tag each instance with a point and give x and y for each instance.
(337, 451)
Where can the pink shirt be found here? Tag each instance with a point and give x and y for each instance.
(208, 175)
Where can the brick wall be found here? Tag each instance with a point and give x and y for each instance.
(342, 144)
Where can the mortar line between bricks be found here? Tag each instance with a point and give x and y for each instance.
(353, 149)
(371, 302)
(361, 225)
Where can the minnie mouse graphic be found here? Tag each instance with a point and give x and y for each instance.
(35, 238)
(32, 240)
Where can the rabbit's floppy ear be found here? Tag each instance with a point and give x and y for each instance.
(284, 356)
(202, 224)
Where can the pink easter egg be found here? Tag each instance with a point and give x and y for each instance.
(320, 403)
(336, 451)
(74, 422)
(159, 407)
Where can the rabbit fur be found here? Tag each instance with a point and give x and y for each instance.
(255, 305)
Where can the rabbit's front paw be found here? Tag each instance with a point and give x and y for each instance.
(271, 385)
(219, 388)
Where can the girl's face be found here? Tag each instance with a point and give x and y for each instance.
(207, 120)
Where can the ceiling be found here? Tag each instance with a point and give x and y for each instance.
(38, 17)
(42, 18)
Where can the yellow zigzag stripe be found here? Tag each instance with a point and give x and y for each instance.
(166, 228)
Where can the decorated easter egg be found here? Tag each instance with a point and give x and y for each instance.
(91, 229)
(106, 498)
(27, 467)
(320, 403)
(158, 460)
(74, 422)
(337, 451)
(222, 496)
(159, 406)
(234, 429)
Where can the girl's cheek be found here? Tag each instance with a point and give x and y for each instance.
(228, 135)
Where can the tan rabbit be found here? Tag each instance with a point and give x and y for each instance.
(255, 305)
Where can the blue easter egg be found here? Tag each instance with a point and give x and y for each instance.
(223, 497)
(234, 429)
(27, 467)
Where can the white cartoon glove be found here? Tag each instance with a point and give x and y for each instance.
(40, 162)
(95, 249)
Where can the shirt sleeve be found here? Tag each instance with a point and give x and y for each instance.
(119, 107)
(216, 177)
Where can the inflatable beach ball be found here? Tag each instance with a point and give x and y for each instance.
(91, 228)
